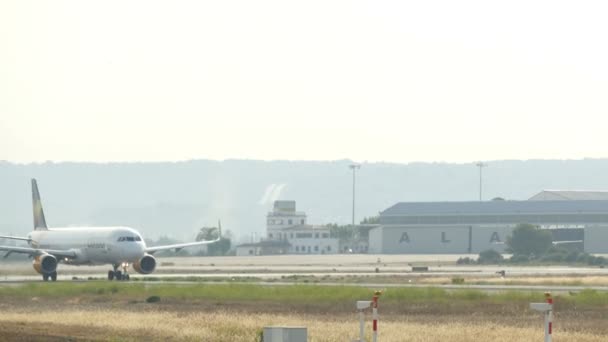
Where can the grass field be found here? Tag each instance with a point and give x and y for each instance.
(237, 312)
(233, 326)
(294, 294)
(572, 280)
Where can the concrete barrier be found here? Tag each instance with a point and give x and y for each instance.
(285, 334)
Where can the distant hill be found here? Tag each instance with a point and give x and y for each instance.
(175, 199)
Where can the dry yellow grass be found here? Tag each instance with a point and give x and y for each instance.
(121, 324)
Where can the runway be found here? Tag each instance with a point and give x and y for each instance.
(373, 271)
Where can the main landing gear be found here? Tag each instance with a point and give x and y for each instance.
(117, 274)
(52, 276)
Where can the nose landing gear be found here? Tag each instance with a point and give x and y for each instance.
(117, 274)
(52, 276)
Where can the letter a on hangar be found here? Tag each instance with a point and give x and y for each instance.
(404, 238)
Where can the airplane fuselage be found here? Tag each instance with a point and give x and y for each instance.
(92, 245)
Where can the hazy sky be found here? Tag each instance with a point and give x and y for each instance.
(367, 80)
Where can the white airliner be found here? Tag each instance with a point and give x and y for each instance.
(117, 246)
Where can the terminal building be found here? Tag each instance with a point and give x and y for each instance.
(471, 227)
(285, 224)
(287, 232)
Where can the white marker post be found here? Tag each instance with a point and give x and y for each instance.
(362, 305)
(547, 309)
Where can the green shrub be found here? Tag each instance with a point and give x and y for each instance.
(490, 256)
(458, 280)
(572, 256)
(466, 261)
(554, 257)
(153, 299)
(527, 239)
(596, 260)
(582, 258)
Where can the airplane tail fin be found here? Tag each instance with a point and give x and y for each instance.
(39, 221)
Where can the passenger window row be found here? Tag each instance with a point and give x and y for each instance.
(129, 238)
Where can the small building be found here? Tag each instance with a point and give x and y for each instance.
(307, 239)
(247, 249)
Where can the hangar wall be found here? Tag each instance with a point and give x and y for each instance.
(475, 226)
(491, 237)
(421, 240)
(596, 239)
(437, 239)
(374, 239)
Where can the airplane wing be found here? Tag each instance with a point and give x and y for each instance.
(38, 251)
(566, 242)
(179, 246)
(14, 238)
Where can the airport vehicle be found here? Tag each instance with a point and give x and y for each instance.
(117, 246)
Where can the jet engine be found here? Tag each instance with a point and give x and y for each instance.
(45, 264)
(145, 265)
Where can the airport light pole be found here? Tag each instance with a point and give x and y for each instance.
(480, 165)
(354, 167)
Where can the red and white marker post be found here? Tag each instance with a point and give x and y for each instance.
(549, 318)
(547, 309)
(375, 315)
(366, 304)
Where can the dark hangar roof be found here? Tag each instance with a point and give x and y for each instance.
(496, 208)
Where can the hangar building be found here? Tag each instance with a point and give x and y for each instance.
(471, 227)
